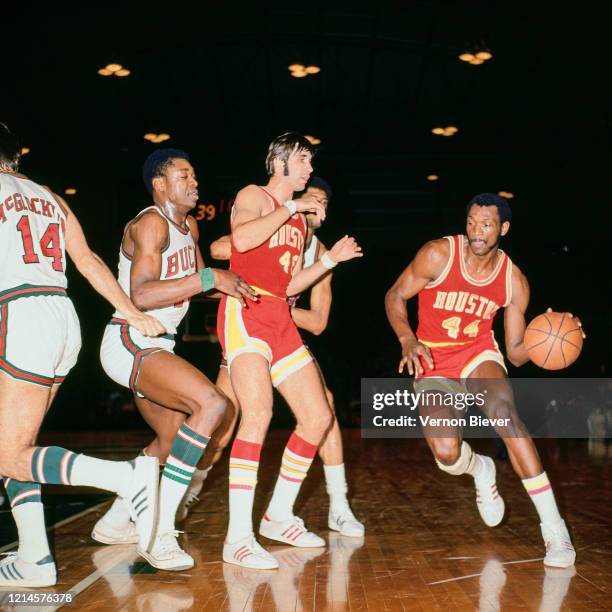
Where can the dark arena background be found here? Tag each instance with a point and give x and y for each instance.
(533, 121)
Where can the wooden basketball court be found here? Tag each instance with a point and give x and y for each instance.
(425, 546)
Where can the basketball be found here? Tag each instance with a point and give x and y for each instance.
(553, 340)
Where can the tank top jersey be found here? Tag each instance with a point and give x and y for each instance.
(32, 234)
(269, 267)
(178, 260)
(456, 309)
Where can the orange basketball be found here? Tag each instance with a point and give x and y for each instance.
(553, 340)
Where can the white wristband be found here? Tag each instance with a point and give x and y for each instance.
(327, 261)
(292, 207)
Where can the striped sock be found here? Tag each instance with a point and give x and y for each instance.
(55, 465)
(541, 494)
(244, 461)
(297, 459)
(186, 451)
(27, 509)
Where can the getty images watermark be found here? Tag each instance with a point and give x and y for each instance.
(555, 408)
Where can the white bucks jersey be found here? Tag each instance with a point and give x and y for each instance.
(178, 260)
(32, 234)
(311, 253)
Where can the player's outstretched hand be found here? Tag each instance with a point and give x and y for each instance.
(146, 324)
(412, 353)
(571, 316)
(309, 204)
(230, 283)
(346, 248)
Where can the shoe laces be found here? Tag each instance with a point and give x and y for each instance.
(346, 516)
(191, 499)
(9, 557)
(168, 543)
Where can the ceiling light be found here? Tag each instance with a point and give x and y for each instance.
(104, 72)
(438, 130)
(299, 74)
(296, 67)
(451, 129)
(505, 194)
(25, 150)
(122, 73)
(484, 55)
(114, 67)
(150, 136)
(313, 69)
(476, 62)
(312, 139)
(466, 57)
(70, 191)
(163, 137)
(433, 177)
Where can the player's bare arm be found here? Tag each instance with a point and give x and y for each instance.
(344, 250)
(514, 319)
(102, 279)
(221, 248)
(145, 240)
(316, 317)
(252, 226)
(427, 265)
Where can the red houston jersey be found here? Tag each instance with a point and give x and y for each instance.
(456, 309)
(270, 266)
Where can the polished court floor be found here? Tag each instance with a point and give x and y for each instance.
(425, 546)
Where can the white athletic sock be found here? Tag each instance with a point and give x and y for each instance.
(244, 463)
(296, 462)
(335, 480)
(118, 515)
(541, 494)
(109, 475)
(30, 520)
(475, 469)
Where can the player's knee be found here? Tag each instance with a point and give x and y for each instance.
(261, 415)
(320, 423)
(14, 463)
(446, 452)
(502, 408)
(210, 404)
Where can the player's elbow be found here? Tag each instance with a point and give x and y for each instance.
(392, 297)
(319, 326)
(241, 242)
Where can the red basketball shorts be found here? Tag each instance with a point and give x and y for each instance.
(264, 327)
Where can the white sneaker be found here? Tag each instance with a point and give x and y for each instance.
(143, 501)
(559, 549)
(15, 572)
(106, 534)
(488, 500)
(166, 554)
(292, 531)
(248, 553)
(189, 499)
(346, 523)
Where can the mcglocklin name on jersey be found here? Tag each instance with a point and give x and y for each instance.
(17, 202)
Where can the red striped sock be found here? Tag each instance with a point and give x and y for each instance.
(244, 462)
(296, 462)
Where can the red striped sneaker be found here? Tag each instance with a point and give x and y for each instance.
(559, 549)
(248, 553)
(490, 503)
(292, 531)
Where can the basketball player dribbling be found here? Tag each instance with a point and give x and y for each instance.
(39, 342)
(161, 268)
(313, 320)
(461, 282)
(264, 348)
